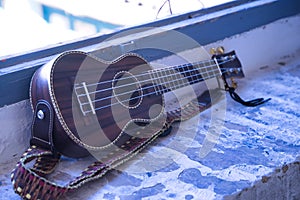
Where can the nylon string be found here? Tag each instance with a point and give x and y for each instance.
(152, 86)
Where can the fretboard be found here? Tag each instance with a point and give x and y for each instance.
(172, 78)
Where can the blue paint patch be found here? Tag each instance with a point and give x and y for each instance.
(233, 126)
(252, 143)
(149, 174)
(243, 154)
(227, 187)
(172, 167)
(144, 192)
(172, 195)
(109, 196)
(199, 137)
(193, 176)
(257, 120)
(119, 179)
(246, 152)
(290, 112)
(283, 146)
(189, 197)
(270, 137)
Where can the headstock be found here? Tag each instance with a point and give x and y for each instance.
(229, 64)
(231, 67)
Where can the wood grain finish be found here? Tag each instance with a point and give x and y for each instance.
(55, 83)
(99, 103)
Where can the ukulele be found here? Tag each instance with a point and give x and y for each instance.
(85, 104)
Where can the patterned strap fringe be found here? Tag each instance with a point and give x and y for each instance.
(30, 183)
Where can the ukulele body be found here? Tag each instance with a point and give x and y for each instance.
(122, 99)
(83, 104)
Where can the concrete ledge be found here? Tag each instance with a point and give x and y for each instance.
(283, 183)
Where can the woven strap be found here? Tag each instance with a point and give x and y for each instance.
(30, 182)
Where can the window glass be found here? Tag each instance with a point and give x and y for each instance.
(32, 24)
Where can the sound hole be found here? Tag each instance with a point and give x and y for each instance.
(127, 90)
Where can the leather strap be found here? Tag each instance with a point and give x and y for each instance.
(42, 126)
(30, 183)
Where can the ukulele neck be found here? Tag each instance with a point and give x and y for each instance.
(175, 77)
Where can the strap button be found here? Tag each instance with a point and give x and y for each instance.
(40, 114)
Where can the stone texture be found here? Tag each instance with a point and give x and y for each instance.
(283, 183)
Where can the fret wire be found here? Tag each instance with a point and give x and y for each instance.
(185, 74)
(182, 80)
(152, 80)
(160, 82)
(157, 80)
(199, 68)
(168, 77)
(165, 78)
(206, 70)
(172, 83)
(165, 81)
(210, 67)
(211, 62)
(194, 78)
(188, 71)
(173, 77)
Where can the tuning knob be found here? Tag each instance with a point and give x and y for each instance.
(216, 51)
(212, 51)
(220, 50)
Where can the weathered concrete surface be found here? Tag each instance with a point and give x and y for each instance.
(283, 183)
(15, 126)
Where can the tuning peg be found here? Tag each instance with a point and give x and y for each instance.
(212, 51)
(220, 50)
(216, 51)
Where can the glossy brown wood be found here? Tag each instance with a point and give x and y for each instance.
(61, 142)
(76, 130)
(93, 130)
